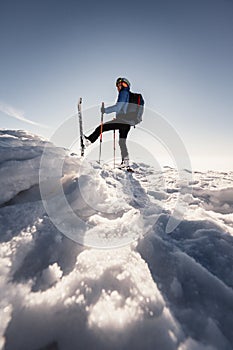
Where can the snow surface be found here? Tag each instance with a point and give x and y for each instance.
(158, 291)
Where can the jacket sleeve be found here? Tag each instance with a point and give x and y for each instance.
(121, 105)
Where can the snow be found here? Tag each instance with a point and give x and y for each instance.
(92, 257)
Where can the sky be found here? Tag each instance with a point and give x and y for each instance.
(177, 53)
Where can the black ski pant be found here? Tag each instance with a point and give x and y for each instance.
(114, 125)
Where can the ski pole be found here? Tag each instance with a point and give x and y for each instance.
(81, 126)
(114, 148)
(101, 130)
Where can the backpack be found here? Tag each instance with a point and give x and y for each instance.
(135, 108)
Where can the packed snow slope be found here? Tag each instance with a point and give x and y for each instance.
(156, 290)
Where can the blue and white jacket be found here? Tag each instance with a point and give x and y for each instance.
(120, 108)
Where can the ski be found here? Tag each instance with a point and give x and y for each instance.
(81, 126)
(127, 169)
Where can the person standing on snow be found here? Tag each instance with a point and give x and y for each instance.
(119, 123)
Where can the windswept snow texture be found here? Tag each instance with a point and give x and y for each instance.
(163, 291)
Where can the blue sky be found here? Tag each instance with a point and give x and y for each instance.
(178, 53)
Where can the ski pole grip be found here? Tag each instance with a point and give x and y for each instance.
(102, 111)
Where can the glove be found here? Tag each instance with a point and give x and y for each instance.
(102, 109)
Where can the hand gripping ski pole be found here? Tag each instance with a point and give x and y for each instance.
(81, 126)
(101, 130)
